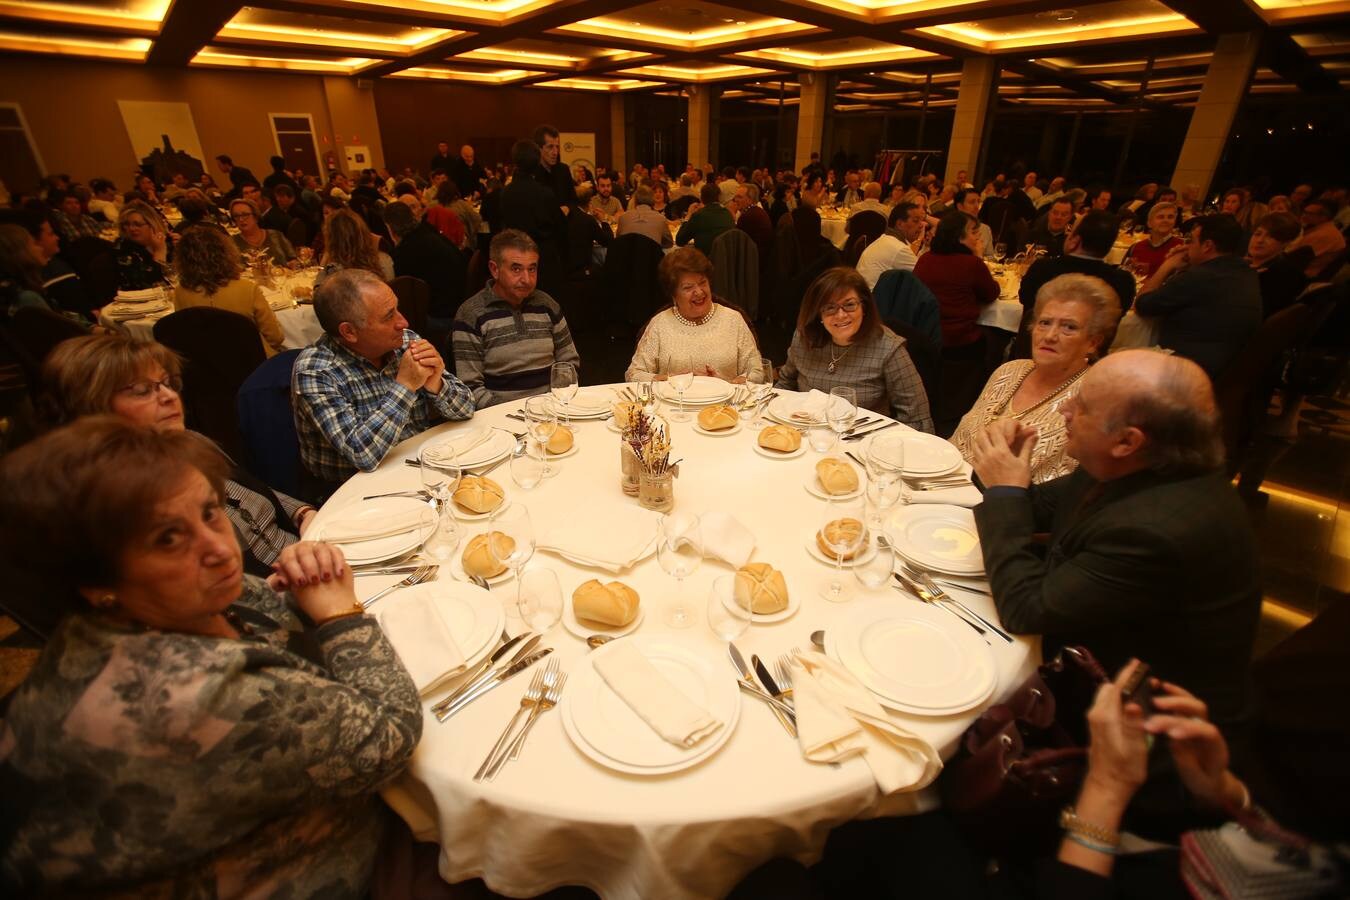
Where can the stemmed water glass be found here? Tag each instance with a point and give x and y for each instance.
(758, 381)
(874, 571)
(527, 465)
(729, 615)
(541, 421)
(679, 550)
(562, 379)
(681, 378)
(540, 602)
(438, 479)
(514, 522)
(841, 542)
(842, 410)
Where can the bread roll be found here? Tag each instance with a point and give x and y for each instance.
(842, 531)
(836, 476)
(561, 441)
(781, 438)
(614, 604)
(625, 413)
(762, 587)
(717, 418)
(478, 559)
(476, 494)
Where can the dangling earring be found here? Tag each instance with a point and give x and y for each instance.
(107, 601)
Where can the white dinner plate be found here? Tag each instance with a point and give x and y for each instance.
(774, 454)
(605, 729)
(497, 445)
(794, 603)
(588, 404)
(815, 490)
(463, 515)
(570, 451)
(473, 616)
(787, 408)
(457, 570)
(936, 536)
(721, 432)
(380, 549)
(928, 454)
(915, 658)
(704, 391)
(584, 629)
(864, 554)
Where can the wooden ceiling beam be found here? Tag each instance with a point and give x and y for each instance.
(369, 12)
(188, 26)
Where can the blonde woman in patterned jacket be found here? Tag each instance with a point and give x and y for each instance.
(1074, 320)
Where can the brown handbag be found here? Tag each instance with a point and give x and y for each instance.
(1023, 760)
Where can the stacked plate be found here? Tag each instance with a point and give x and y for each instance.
(606, 730)
(926, 455)
(592, 404)
(704, 391)
(937, 537)
(801, 410)
(472, 449)
(472, 615)
(370, 531)
(915, 658)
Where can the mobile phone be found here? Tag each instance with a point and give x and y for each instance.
(1139, 689)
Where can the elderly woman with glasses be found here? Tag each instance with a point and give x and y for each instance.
(190, 729)
(143, 251)
(140, 382)
(252, 236)
(841, 342)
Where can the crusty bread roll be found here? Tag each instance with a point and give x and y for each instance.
(477, 494)
(762, 587)
(478, 559)
(781, 438)
(717, 417)
(836, 476)
(561, 441)
(614, 604)
(842, 531)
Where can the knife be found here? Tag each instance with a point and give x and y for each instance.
(862, 434)
(501, 677)
(772, 687)
(482, 673)
(394, 570)
(752, 687)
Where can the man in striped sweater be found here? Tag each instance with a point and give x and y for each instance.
(508, 336)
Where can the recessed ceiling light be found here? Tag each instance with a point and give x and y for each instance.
(1058, 15)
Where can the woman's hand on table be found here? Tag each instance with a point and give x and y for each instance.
(317, 575)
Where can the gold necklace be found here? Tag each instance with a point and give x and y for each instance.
(1007, 404)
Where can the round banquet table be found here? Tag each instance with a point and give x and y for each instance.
(834, 228)
(554, 817)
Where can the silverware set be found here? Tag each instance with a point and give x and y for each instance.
(859, 435)
(419, 494)
(748, 684)
(486, 677)
(543, 693)
(939, 594)
(420, 574)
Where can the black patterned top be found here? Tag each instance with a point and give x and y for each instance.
(144, 763)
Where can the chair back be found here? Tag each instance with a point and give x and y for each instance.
(267, 424)
(735, 260)
(477, 276)
(32, 333)
(926, 355)
(297, 232)
(629, 293)
(863, 228)
(95, 262)
(676, 208)
(220, 350)
(414, 298)
(901, 297)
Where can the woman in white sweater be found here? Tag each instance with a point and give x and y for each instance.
(695, 332)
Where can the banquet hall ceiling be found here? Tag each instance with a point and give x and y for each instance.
(889, 54)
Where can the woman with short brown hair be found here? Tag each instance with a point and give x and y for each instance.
(841, 342)
(209, 275)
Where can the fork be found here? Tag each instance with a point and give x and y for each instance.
(784, 669)
(553, 693)
(939, 594)
(421, 575)
(927, 596)
(530, 699)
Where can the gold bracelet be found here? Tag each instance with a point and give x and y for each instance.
(1070, 822)
(356, 610)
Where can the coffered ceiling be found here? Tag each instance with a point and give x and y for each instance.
(888, 54)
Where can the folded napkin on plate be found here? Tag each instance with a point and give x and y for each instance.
(589, 402)
(140, 296)
(651, 695)
(721, 536)
(805, 409)
(838, 718)
(617, 536)
(967, 495)
(123, 312)
(448, 451)
(373, 527)
(418, 631)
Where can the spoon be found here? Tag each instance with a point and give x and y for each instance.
(596, 641)
(818, 638)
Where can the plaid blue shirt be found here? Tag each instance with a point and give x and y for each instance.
(348, 412)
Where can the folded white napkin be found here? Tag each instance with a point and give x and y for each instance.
(370, 528)
(651, 695)
(617, 535)
(721, 536)
(590, 402)
(807, 408)
(967, 495)
(838, 718)
(418, 631)
(123, 312)
(141, 296)
(448, 452)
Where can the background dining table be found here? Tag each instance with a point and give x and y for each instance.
(555, 817)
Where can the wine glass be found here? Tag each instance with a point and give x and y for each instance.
(840, 542)
(541, 421)
(527, 466)
(874, 571)
(679, 551)
(514, 522)
(883, 492)
(540, 600)
(758, 380)
(885, 456)
(438, 479)
(842, 410)
(681, 377)
(562, 379)
(728, 614)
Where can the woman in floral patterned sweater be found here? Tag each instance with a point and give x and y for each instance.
(189, 730)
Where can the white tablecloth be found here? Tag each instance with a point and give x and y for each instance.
(834, 230)
(1005, 315)
(1135, 331)
(554, 817)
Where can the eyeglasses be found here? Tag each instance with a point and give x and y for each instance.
(142, 390)
(850, 307)
(239, 217)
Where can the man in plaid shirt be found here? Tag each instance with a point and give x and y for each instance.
(368, 383)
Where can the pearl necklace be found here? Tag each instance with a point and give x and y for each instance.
(835, 360)
(690, 322)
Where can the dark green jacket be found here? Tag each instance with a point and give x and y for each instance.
(704, 226)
